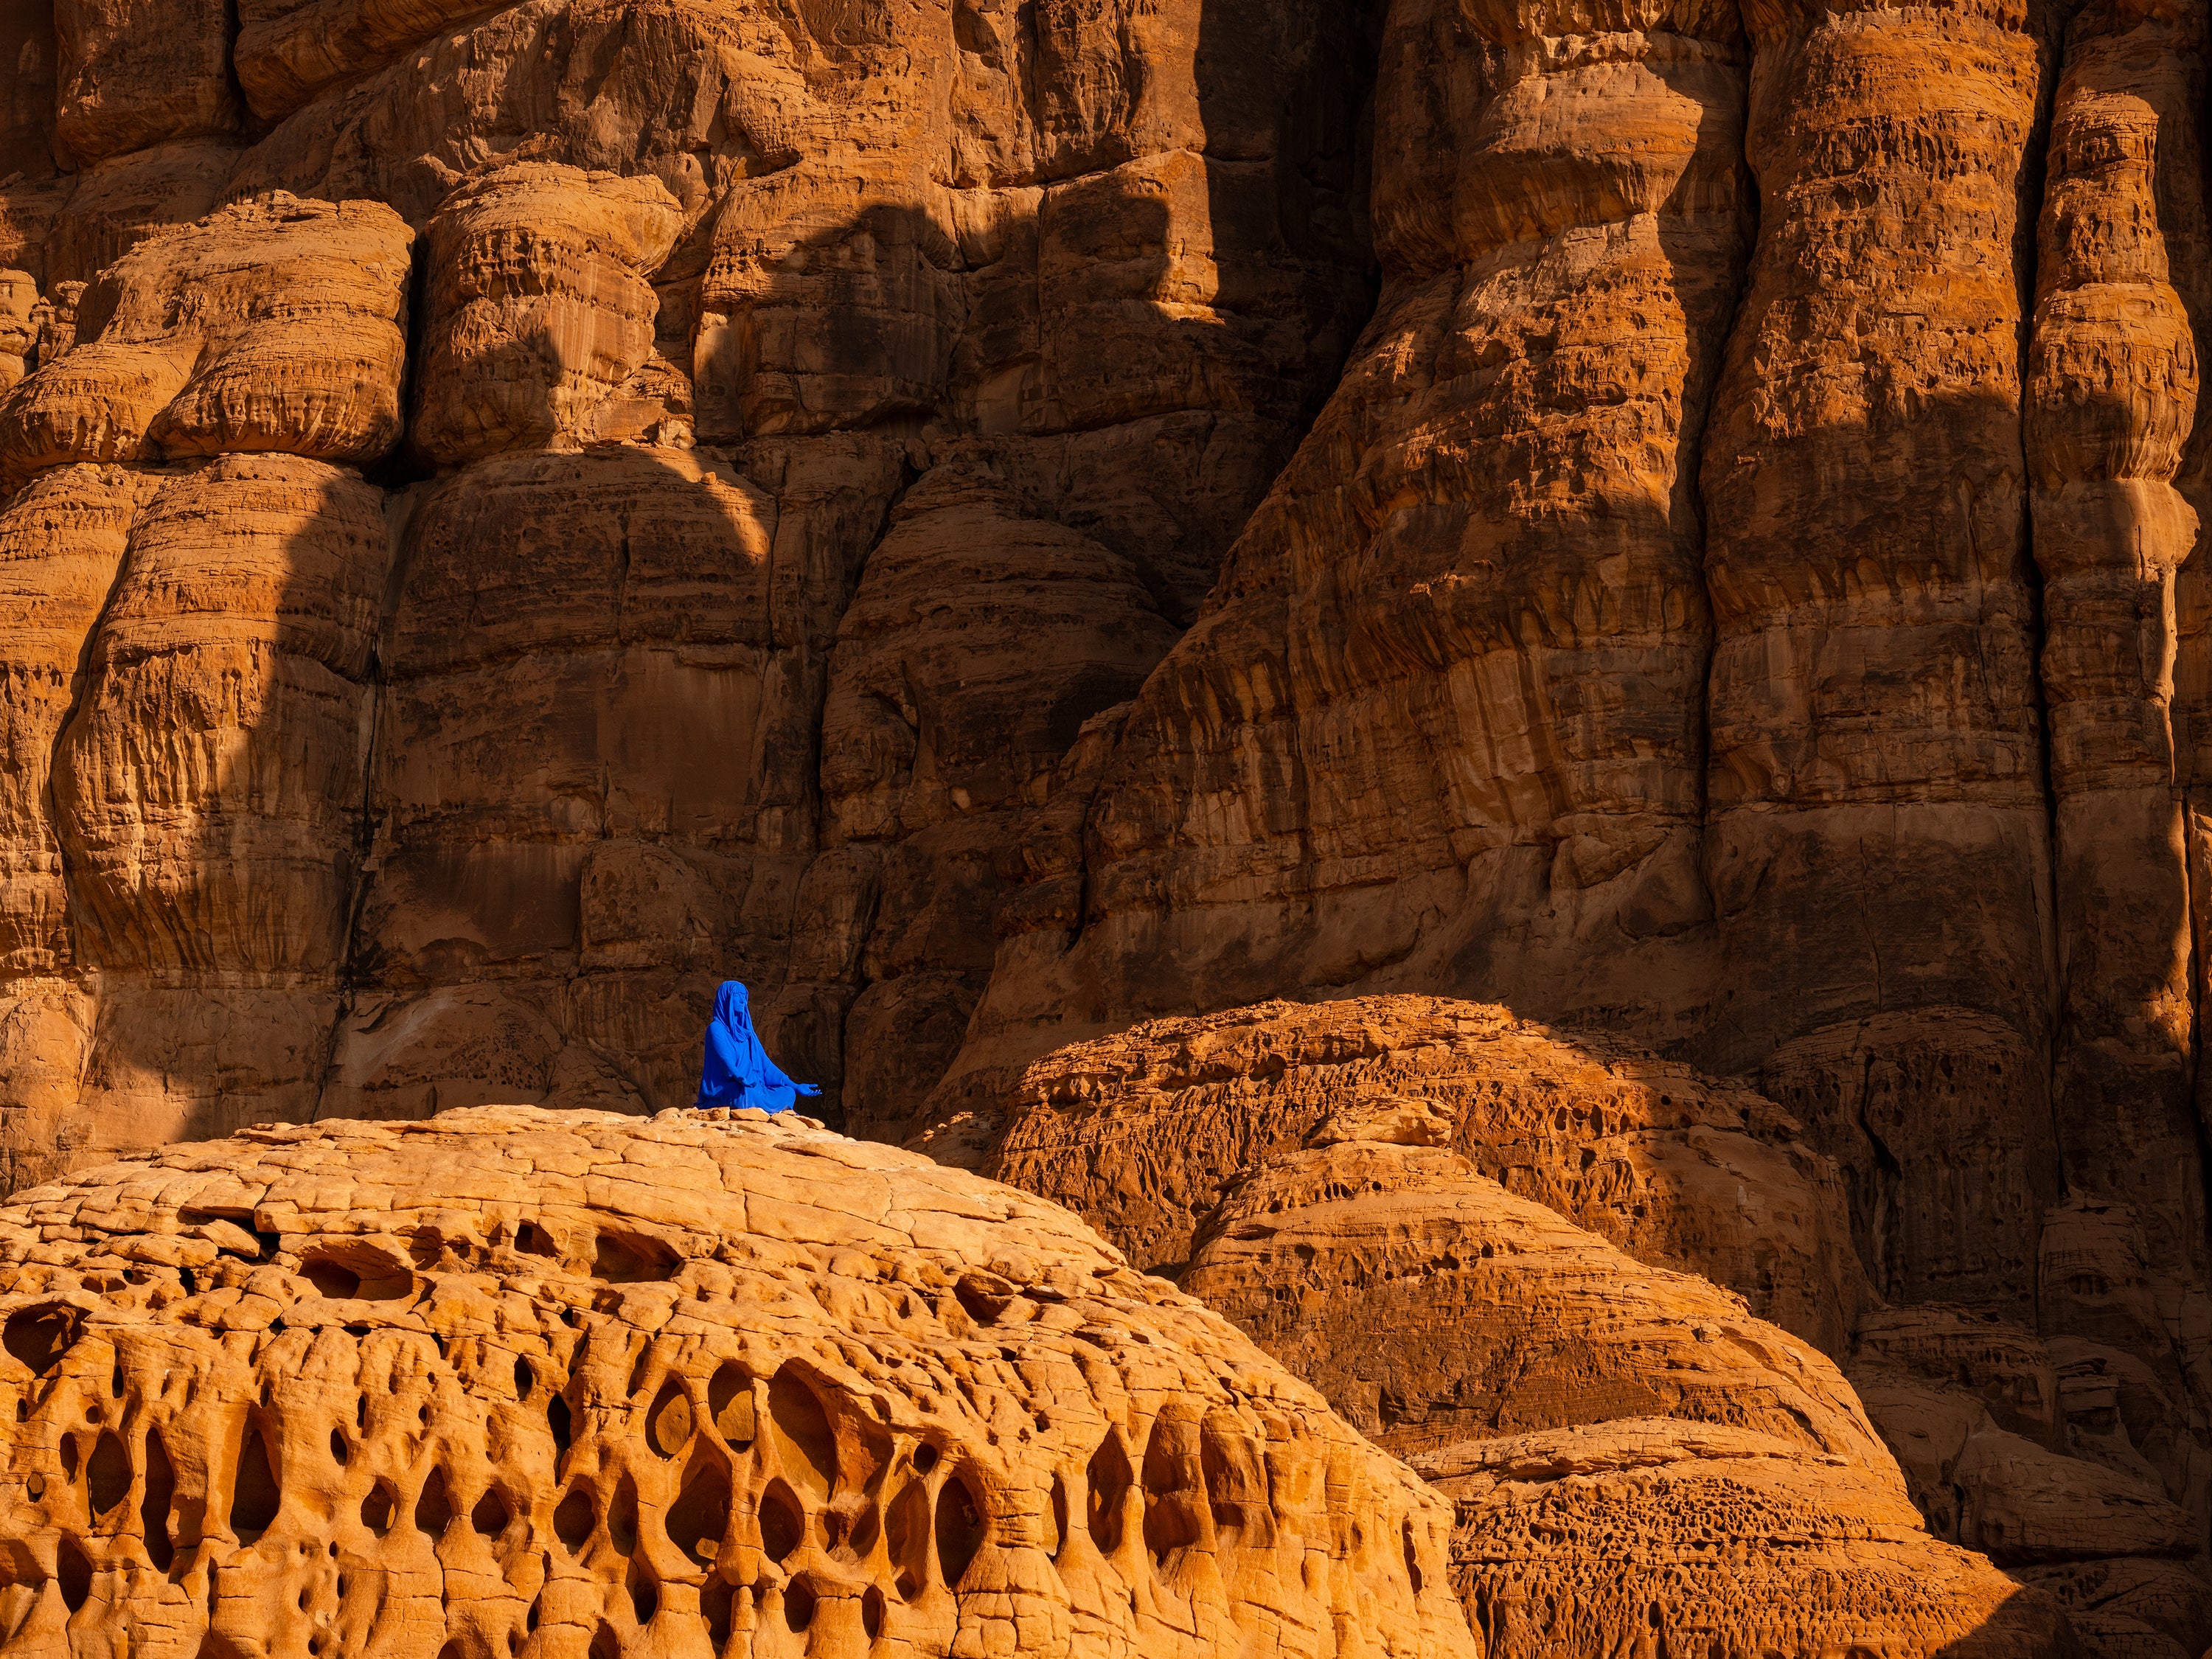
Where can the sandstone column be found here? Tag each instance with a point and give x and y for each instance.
(1438, 726)
(195, 566)
(2112, 398)
(1878, 846)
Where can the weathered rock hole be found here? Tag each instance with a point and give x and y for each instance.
(154, 1506)
(1109, 1482)
(644, 1597)
(533, 1240)
(800, 1431)
(378, 1509)
(434, 1507)
(701, 1514)
(361, 1414)
(115, 1380)
(1057, 1514)
(668, 1423)
(717, 1611)
(332, 1279)
(573, 1519)
(864, 1534)
(556, 1419)
(255, 1499)
(729, 1402)
(630, 1259)
(74, 1571)
(107, 1476)
(1237, 1490)
(358, 1273)
(798, 1606)
(41, 1335)
(339, 1450)
(621, 1515)
(925, 1458)
(603, 1645)
(983, 1295)
(489, 1517)
(959, 1530)
(872, 1613)
(782, 1523)
(1170, 1521)
(69, 1455)
(906, 1533)
(525, 1379)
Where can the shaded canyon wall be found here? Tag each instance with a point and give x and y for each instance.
(515, 515)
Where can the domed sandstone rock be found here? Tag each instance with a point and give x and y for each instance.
(1640, 1467)
(515, 1381)
(1141, 1133)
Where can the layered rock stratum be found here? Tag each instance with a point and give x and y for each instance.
(1498, 1246)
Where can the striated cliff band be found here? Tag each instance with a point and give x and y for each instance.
(1360, 638)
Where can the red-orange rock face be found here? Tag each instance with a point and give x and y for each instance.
(997, 522)
(523, 515)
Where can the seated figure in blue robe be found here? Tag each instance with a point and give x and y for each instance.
(738, 1072)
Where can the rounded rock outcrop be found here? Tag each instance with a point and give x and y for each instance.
(524, 1383)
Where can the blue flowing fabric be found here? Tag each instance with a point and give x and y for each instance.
(738, 1072)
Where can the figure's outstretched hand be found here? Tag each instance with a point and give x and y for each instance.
(810, 1091)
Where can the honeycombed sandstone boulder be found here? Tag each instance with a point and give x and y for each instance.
(519, 1382)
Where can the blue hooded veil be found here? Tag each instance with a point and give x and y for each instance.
(738, 1072)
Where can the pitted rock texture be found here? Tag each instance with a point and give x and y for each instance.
(1144, 1134)
(519, 1383)
(1630, 1530)
(1328, 1175)
(1636, 1458)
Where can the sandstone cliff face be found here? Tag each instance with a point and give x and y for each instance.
(1831, 723)
(536, 1383)
(515, 514)
(666, 415)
